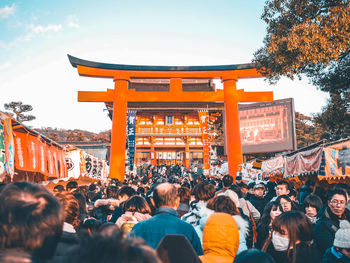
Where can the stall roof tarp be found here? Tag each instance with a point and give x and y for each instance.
(272, 164)
(303, 162)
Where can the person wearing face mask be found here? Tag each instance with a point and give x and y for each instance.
(330, 219)
(271, 211)
(340, 251)
(290, 239)
(312, 205)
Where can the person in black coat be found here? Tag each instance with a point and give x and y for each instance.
(330, 217)
(291, 238)
(258, 200)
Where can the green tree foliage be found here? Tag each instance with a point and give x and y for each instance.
(335, 118)
(18, 109)
(303, 36)
(307, 131)
(311, 37)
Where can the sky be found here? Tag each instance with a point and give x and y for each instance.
(37, 35)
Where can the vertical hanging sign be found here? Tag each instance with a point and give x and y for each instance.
(131, 138)
(203, 119)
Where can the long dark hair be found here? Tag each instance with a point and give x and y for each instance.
(266, 218)
(299, 228)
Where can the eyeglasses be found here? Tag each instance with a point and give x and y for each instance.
(337, 202)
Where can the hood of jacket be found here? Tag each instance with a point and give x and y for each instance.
(197, 211)
(220, 236)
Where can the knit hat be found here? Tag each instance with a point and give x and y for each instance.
(342, 239)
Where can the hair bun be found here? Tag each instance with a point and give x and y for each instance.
(344, 224)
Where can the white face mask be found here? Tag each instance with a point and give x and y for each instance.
(280, 243)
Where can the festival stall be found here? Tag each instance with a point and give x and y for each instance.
(335, 161)
(27, 155)
(329, 162)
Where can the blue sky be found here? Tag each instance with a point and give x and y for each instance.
(36, 36)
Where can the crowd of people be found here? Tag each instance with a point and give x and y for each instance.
(175, 217)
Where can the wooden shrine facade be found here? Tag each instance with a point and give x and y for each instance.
(174, 91)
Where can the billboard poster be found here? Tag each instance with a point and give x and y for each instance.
(204, 119)
(267, 126)
(131, 138)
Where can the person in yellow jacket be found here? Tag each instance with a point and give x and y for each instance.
(220, 239)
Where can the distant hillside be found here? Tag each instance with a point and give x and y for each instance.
(60, 135)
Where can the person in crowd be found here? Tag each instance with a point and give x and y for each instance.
(254, 256)
(58, 188)
(71, 186)
(271, 190)
(250, 192)
(346, 188)
(136, 209)
(287, 203)
(71, 223)
(312, 205)
(227, 181)
(165, 221)
(245, 206)
(258, 200)
(264, 227)
(239, 181)
(224, 204)
(185, 197)
(291, 238)
(340, 251)
(321, 193)
(124, 194)
(176, 249)
(198, 208)
(330, 218)
(110, 245)
(305, 190)
(282, 188)
(83, 212)
(293, 195)
(31, 223)
(220, 239)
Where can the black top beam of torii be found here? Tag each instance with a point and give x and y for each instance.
(92, 64)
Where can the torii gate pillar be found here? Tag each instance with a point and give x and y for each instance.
(232, 130)
(117, 165)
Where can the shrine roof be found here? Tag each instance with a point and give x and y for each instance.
(92, 64)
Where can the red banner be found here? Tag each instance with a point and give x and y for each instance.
(33, 154)
(203, 119)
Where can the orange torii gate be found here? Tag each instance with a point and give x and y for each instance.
(121, 95)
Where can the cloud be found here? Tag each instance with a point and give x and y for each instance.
(72, 21)
(6, 11)
(72, 24)
(39, 29)
(43, 29)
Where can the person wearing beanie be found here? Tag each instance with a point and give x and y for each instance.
(340, 251)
